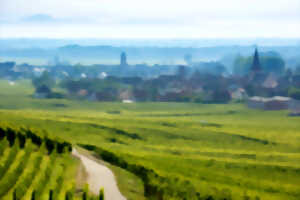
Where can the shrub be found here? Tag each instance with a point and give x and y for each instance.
(2, 133)
(11, 136)
(22, 139)
(50, 145)
(36, 139)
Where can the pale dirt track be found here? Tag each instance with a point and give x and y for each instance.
(99, 176)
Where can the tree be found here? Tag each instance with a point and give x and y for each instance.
(273, 64)
(242, 65)
(6, 68)
(44, 80)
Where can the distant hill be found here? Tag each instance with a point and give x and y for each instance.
(149, 54)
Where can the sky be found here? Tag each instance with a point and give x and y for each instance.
(149, 18)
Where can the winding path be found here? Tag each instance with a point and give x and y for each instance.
(99, 176)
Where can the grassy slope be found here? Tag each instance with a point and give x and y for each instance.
(214, 146)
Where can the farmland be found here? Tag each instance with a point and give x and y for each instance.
(193, 150)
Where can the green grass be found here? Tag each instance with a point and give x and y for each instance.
(223, 147)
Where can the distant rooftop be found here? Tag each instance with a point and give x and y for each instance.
(264, 99)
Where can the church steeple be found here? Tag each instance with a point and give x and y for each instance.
(123, 60)
(256, 67)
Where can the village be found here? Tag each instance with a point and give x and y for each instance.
(259, 88)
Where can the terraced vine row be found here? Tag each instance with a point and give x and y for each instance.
(33, 167)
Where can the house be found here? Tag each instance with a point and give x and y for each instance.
(127, 101)
(273, 103)
(126, 96)
(239, 94)
(270, 81)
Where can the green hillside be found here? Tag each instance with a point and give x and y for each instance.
(179, 150)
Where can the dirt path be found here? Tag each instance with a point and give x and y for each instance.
(99, 176)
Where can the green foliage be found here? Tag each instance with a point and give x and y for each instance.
(44, 80)
(242, 65)
(11, 136)
(212, 146)
(275, 64)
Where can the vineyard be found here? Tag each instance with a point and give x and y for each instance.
(36, 167)
(156, 150)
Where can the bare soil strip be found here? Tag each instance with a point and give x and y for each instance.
(99, 176)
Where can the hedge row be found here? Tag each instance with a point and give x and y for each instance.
(69, 195)
(24, 133)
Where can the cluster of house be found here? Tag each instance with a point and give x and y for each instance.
(268, 83)
(275, 103)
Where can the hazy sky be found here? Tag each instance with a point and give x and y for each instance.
(149, 18)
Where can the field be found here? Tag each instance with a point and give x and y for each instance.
(208, 150)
